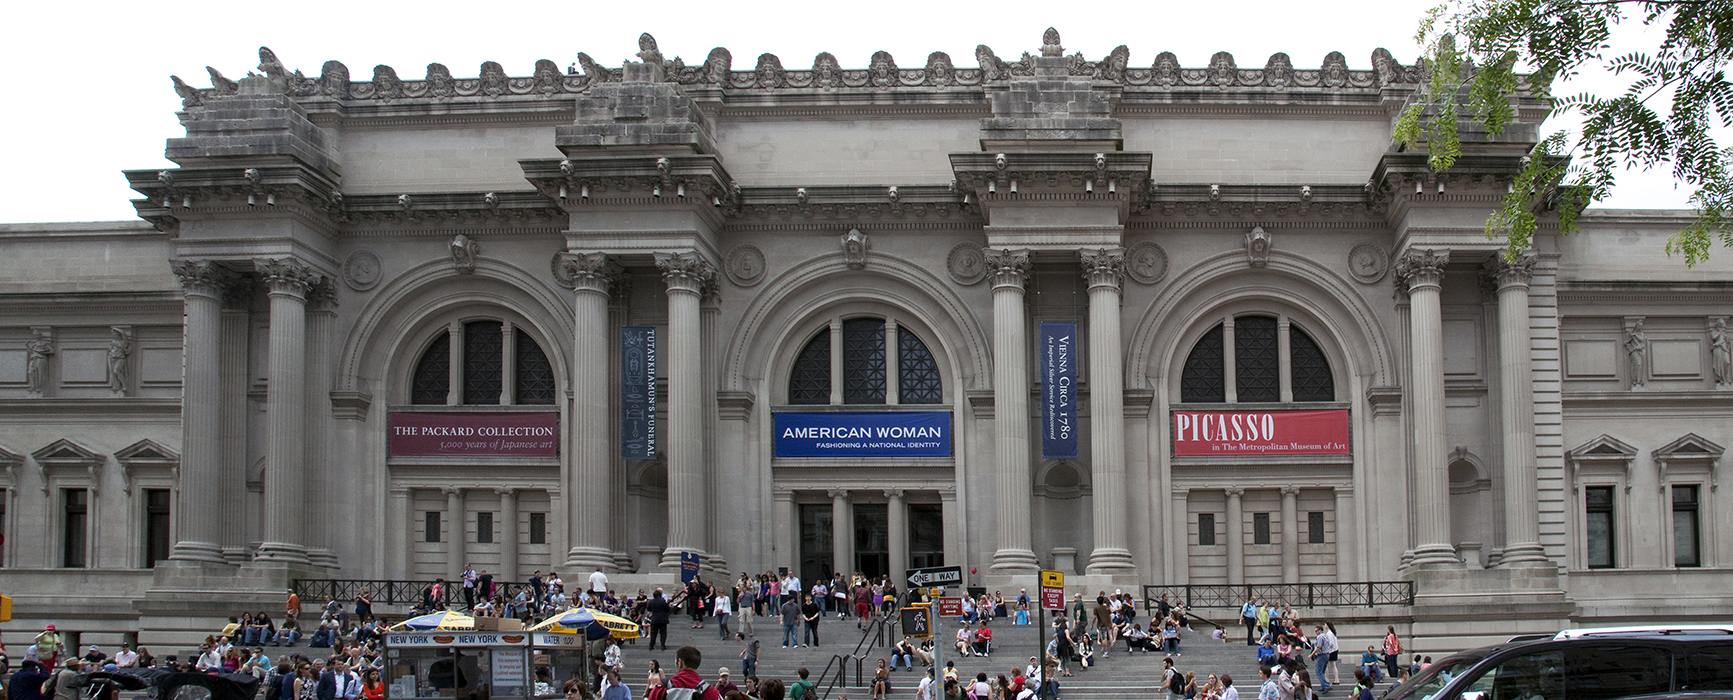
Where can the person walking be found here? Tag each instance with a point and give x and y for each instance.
(723, 609)
(658, 610)
(748, 607)
(1323, 655)
(790, 619)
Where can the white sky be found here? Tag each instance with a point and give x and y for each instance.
(90, 94)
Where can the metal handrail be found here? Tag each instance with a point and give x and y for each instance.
(1306, 595)
(876, 632)
(391, 592)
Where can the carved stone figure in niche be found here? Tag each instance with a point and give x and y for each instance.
(854, 248)
(36, 369)
(1721, 353)
(493, 80)
(1335, 70)
(1258, 246)
(1637, 350)
(118, 350)
(717, 65)
(826, 72)
(883, 69)
(769, 71)
(991, 67)
(1166, 69)
(463, 252)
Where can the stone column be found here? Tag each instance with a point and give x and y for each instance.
(455, 525)
(199, 526)
(784, 531)
(235, 407)
(589, 505)
(1516, 376)
(687, 274)
(401, 539)
(1178, 540)
(454, 369)
(893, 371)
(709, 312)
(1236, 537)
(1290, 534)
(841, 533)
(836, 379)
(321, 518)
(1010, 270)
(289, 280)
(1347, 542)
(1423, 273)
(1105, 270)
(510, 534)
(953, 528)
(508, 368)
(898, 526)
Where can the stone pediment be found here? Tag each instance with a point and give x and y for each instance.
(64, 456)
(1691, 446)
(146, 454)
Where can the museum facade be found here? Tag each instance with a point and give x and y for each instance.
(1163, 325)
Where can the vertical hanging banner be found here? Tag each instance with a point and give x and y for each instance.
(1058, 390)
(637, 392)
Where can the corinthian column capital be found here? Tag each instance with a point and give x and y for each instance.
(587, 272)
(1007, 268)
(203, 277)
(1103, 267)
(1502, 273)
(685, 272)
(1422, 268)
(287, 276)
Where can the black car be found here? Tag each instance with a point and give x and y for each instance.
(1590, 667)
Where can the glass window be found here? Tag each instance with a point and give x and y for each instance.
(538, 528)
(3, 499)
(1260, 528)
(917, 372)
(76, 532)
(1606, 671)
(484, 528)
(432, 381)
(1202, 380)
(863, 360)
(156, 526)
(809, 382)
(1257, 364)
(1599, 526)
(1536, 676)
(1433, 678)
(483, 362)
(1314, 528)
(430, 526)
(926, 535)
(1685, 536)
(1206, 529)
(535, 375)
(1711, 668)
(1310, 376)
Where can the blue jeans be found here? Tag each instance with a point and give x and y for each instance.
(722, 624)
(748, 667)
(288, 637)
(812, 633)
(1319, 664)
(789, 636)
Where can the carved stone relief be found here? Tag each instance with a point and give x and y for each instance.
(1368, 263)
(967, 264)
(1258, 246)
(1146, 262)
(854, 248)
(744, 265)
(362, 270)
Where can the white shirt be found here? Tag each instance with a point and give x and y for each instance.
(210, 659)
(599, 582)
(925, 692)
(722, 606)
(348, 685)
(125, 658)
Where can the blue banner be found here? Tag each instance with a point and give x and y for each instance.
(637, 392)
(901, 434)
(1058, 390)
(688, 566)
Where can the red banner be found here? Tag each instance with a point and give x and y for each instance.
(417, 434)
(1221, 433)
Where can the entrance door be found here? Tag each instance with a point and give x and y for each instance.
(816, 543)
(926, 536)
(872, 551)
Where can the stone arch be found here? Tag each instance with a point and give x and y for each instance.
(781, 313)
(1336, 316)
(1473, 523)
(384, 343)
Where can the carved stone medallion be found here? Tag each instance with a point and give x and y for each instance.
(1368, 263)
(562, 276)
(362, 271)
(967, 264)
(1146, 262)
(744, 265)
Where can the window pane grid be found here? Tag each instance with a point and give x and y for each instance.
(1686, 551)
(433, 373)
(1599, 517)
(1260, 528)
(483, 362)
(1310, 371)
(535, 375)
(863, 360)
(1206, 529)
(919, 380)
(1257, 364)
(1202, 380)
(809, 382)
(1314, 528)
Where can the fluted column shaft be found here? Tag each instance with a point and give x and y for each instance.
(1105, 270)
(455, 526)
(588, 505)
(785, 531)
(200, 506)
(1236, 537)
(509, 535)
(321, 522)
(289, 281)
(687, 274)
(1423, 271)
(1516, 374)
(841, 532)
(898, 527)
(1290, 534)
(232, 482)
(1010, 270)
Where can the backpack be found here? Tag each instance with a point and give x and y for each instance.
(672, 693)
(1176, 683)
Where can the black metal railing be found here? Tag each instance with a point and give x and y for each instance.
(406, 593)
(1307, 595)
(879, 632)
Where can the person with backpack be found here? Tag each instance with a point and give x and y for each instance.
(803, 688)
(686, 683)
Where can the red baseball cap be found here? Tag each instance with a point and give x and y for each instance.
(49, 627)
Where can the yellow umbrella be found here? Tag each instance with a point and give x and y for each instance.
(583, 620)
(446, 620)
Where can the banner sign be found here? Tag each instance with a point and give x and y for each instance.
(880, 434)
(434, 434)
(1224, 433)
(637, 392)
(439, 638)
(1052, 589)
(688, 566)
(1058, 390)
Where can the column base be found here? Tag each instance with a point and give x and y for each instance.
(282, 552)
(1111, 561)
(207, 552)
(1523, 554)
(237, 556)
(1436, 556)
(322, 557)
(1015, 561)
(587, 559)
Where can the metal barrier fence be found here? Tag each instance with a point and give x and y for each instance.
(407, 593)
(1309, 595)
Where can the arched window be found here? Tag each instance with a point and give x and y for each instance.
(1256, 364)
(866, 370)
(486, 363)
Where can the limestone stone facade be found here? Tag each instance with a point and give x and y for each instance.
(199, 406)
